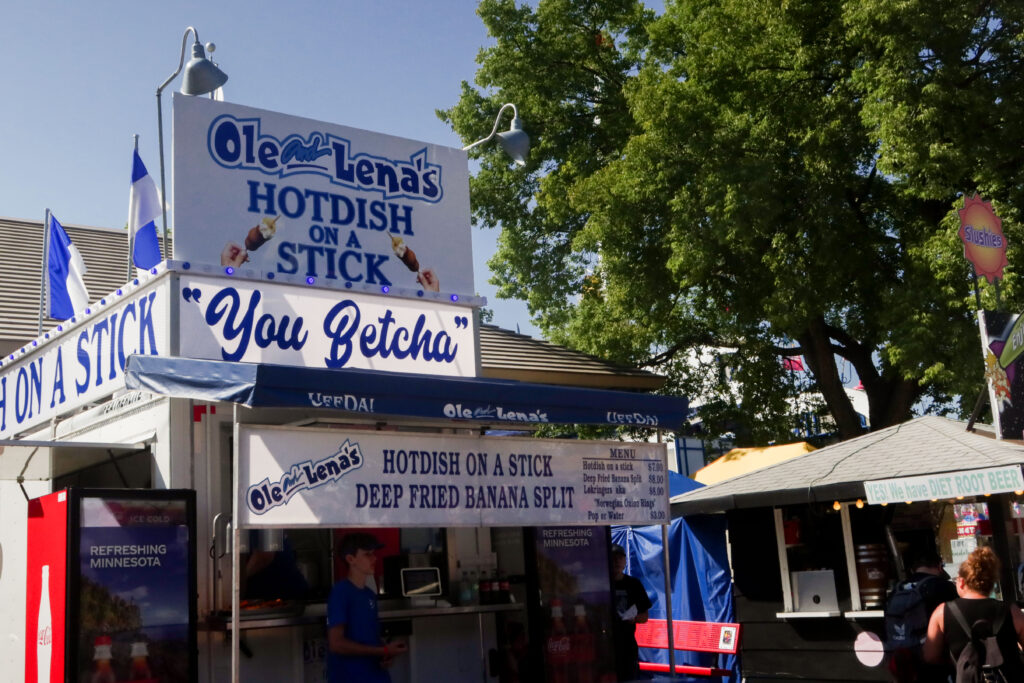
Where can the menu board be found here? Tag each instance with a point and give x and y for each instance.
(311, 477)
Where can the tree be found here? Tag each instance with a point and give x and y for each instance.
(774, 178)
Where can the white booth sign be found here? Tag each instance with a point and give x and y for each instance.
(292, 477)
(946, 485)
(314, 199)
(83, 361)
(252, 322)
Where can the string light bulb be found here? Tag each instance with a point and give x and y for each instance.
(836, 505)
(859, 503)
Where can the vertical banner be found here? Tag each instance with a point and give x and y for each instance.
(1002, 344)
(575, 588)
(45, 589)
(135, 612)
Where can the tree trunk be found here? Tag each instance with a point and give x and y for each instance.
(817, 347)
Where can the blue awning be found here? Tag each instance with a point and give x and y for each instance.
(489, 401)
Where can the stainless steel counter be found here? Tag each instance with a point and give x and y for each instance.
(317, 613)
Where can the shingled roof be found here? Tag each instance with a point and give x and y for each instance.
(925, 445)
(504, 354)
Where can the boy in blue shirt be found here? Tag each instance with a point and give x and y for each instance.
(356, 652)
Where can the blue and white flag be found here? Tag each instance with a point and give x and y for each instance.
(143, 208)
(65, 268)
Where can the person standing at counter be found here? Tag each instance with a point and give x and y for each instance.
(631, 607)
(357, 653)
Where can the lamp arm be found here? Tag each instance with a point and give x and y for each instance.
(181, 60)
(160, 133)
(515, 114)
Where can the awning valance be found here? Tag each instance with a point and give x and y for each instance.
(385, 393)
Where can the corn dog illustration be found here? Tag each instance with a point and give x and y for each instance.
(406, 254)
(261, 233)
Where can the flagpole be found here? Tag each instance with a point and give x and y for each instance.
(45, 269)
(131, 232)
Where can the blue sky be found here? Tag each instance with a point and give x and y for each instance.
(80, 79)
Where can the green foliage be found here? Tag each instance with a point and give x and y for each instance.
(754, 176)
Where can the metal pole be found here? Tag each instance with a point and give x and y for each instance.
(45, 271)
(668, 602)
(131, 231)
(236, 535)
(163, 184)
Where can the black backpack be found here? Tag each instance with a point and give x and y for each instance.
(907, 615)
(981, 659)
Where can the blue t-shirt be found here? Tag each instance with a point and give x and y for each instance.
(356, 610)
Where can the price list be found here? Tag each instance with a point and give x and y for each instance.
(626, 485)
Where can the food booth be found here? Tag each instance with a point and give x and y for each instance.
(817, 542)
(323, 384)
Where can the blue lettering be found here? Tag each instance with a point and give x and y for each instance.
(3, 403)
(21, 400)
(267, 198)
(121, 356)
(98, 330)
(288, 264)
(83, 362)
(58, 380)
(340, 333)
(146, 324)
(226, 304)
(373, 274)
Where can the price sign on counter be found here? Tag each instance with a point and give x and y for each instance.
(315, 477)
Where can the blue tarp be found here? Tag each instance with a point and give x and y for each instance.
(700, 580)
(680, 483)
(392, 393)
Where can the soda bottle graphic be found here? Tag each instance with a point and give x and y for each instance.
(103, 671)
(44, 625)
(140, 662)
(559, 646)
(582, 646)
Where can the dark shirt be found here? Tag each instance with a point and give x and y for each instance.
(628, 591)
(985, 608)
(355, 609)
(935, 590)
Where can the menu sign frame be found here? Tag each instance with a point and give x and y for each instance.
(302, 477)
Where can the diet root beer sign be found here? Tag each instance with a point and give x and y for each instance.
(291, 477)
(253, 322)
(305, 198)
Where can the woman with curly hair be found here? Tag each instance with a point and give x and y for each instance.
(974, 582)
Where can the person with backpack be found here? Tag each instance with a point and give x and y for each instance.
(907, 612)
(983, 636)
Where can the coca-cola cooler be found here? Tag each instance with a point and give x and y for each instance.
(111, 590)
(570, 605)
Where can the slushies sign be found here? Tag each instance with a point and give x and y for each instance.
(297, 197)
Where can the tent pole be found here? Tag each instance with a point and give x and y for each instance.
(668, 602)
(236, 536)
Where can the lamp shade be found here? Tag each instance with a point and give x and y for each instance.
(515, 141)
(201, 75)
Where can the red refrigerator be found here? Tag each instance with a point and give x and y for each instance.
(111, 588)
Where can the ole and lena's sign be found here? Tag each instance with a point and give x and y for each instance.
(948, 485)
(253, 322)
(85, 362)
(300, 197)
(981, 232)
(291, 477)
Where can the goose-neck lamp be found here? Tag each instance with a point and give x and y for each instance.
(201, 77)
(514, 141)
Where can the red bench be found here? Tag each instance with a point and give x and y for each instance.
(690, 636)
